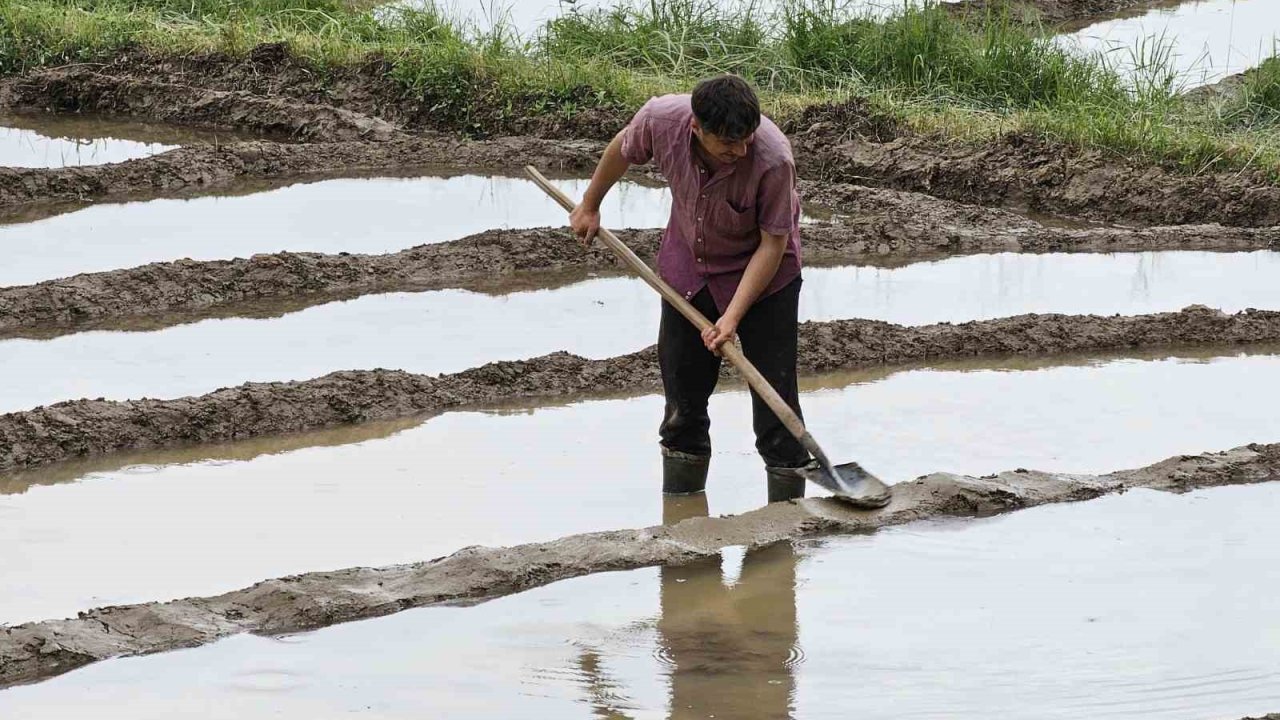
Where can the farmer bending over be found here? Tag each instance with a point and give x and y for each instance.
(732, 248)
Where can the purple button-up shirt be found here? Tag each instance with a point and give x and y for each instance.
(716, 219)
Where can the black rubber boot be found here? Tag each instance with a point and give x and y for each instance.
(684, 473)
(784, 483)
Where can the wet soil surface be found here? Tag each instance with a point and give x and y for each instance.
(844, 143)
(870, 225)
(1019, 171)
(1058, 11)
(1040, 623)
(89, 427)
(396, 213)
(208, 166)
(404, 491)
(419, 331)
(38, 650)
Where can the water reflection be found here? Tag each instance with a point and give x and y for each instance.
(1203, 41)
(730, 648)
(728, 645)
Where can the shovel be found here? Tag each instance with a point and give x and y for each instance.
(849, 482)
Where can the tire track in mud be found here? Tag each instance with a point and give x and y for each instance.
(873, 226)
(34, 651)
(83, 428)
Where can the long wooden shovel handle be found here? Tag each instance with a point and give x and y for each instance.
(728, 350)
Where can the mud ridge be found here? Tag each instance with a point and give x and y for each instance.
(872, 226)
(39, 650)
(1056, 12)
(83, 89)
(83, 428)
(841, 143)
(207, 166)
(1024, 172)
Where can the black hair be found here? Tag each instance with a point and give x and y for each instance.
(726, 106)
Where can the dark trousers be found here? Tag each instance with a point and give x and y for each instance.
(690, 372)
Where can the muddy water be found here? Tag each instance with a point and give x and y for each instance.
(366, 215)
(532, 473)
(1206, 39)
(527, 18)
(452, 330)
(43, 148)
(1142, 605)
(50, 141)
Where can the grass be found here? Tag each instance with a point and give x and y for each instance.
(970, 78)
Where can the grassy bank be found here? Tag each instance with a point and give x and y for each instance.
(968, 78)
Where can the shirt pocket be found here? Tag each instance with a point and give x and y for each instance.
(733, 221)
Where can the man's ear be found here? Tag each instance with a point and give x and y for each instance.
(696, 127)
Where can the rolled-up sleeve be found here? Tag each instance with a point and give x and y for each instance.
(637, 138)
(776, 200)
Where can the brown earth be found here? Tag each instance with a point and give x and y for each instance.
(81, 88)
(1057, 12)
(83, 428)
(870, 225)
(846, 143)
(1028, 173)
(209, 166)
(39, 650)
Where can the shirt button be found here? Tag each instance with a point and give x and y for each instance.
(699, 218)
(704, 196)
(699, 259)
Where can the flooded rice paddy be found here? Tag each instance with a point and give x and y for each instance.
(54, 141)
(1204, 40)
(1141, 605)
(393, 214)
(32, 148)
(452, 330)
(212, 519)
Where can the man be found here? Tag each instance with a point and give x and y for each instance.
(732, 248)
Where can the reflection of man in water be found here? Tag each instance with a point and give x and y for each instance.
(730, 646)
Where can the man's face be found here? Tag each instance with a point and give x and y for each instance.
(722, 150)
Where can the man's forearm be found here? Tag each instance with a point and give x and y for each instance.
(609, 170)
(758, 274)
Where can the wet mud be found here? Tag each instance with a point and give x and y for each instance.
(83, 428)
(34, 651)
(844, 143)
(1057, 12)
(869, 225)
(213, 166)
(1027, 173)
(84, 89)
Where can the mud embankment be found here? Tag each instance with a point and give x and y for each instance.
(1057, 12)
(842, 143)
(1028, 173)
(874, 226)
(209, 166)
(302, 602)
(84, 428)
(84, 89)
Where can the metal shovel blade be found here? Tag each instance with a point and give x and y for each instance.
(852, 484)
